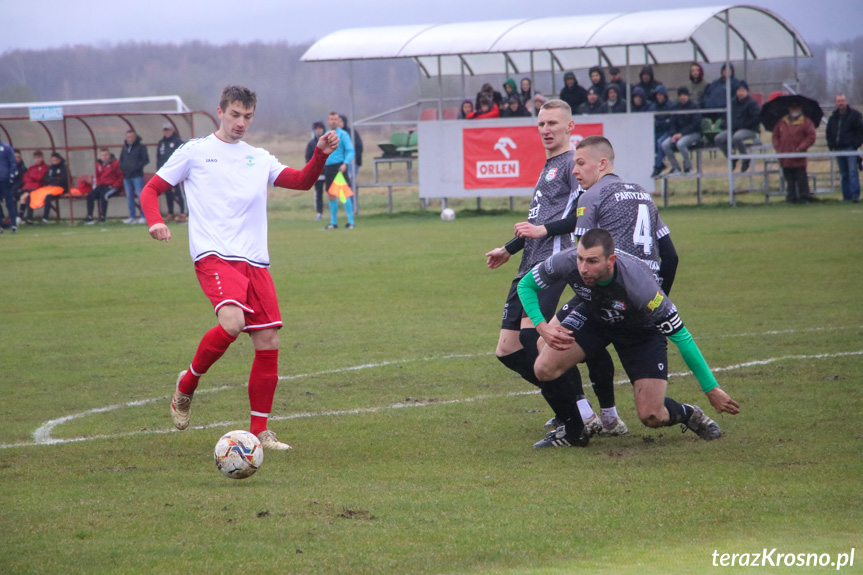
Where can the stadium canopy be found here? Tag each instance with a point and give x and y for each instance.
(708, 34)
(78, 128)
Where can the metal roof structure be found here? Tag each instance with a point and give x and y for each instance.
(708, 34)
(81, 127)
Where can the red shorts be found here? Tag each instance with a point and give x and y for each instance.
(246, 286)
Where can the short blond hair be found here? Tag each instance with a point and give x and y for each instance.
(601, 144)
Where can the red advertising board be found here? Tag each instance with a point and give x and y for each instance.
(509, 157)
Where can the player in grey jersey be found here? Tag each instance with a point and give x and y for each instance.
(621, 303)
(631, 216)
(555, 196)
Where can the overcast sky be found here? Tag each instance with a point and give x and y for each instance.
(59, 23)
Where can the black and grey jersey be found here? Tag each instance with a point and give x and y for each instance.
(633, 298)
(628, 213)
(555, 196)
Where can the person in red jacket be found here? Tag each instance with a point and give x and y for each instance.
(33, 179)
(794, 133)
(109, 178)
(487, 109)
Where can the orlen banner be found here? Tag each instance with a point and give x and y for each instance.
(509, 157)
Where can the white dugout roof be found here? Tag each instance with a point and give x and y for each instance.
(572, 42)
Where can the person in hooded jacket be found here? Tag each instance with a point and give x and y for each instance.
(597, 80)
(509, 89)
(572, 93)
(514, 108)
(466, 109)
(714, 94)
(616, 78)
(648, 83)
(614, 103)
(58, 176)
(593, 104)
(696, 85)
(661, 127)
(133, 158)
(487, 109)
(640, 103)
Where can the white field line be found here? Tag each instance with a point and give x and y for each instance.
(42, 435)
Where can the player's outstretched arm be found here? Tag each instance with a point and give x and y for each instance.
(496, 258)
(720, 400)
(150, 208)
(304, 179)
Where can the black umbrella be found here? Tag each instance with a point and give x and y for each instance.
(777, 108)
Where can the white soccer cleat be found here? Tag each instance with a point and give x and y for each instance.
(592, 425)
(615, 429)
(269, 441)
(181, 405)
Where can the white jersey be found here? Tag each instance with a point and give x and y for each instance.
(226, 190)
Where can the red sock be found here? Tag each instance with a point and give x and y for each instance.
(213, 345)
(262, 387)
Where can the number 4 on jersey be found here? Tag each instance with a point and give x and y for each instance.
(642, 235)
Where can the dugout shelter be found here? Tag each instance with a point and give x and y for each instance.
(735, 34)
(77, 129)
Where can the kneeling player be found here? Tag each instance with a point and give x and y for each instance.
(623, 305)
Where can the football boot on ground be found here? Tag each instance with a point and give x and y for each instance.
(269, 441)
(592, 425)
(553, 423)
(181, 405)
(560, 438)
(614, 430)
(702, 425)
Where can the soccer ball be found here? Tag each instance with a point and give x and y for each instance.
(238, 454)
(447, 215)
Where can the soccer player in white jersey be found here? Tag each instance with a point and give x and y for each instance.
(226, 182)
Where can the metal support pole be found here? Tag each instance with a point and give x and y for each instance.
(728, 125)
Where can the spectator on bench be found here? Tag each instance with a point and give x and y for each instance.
(745, 124)
(697, 84)
(487, 109)
(597, 80)
(514, 108)
(34, 179)
(685, 132)
(640, 103)
(648, 83)
(613, 103)
(58, 176)
(593, 104)
(661, 127)
(109, 178)
(572, 93)
(466, 109)
(714, 94)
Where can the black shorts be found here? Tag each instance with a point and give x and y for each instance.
(643, 350)
(513, 311)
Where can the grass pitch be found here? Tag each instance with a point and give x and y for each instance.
(412, 444)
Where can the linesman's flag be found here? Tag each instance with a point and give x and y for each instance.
(340, 188)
